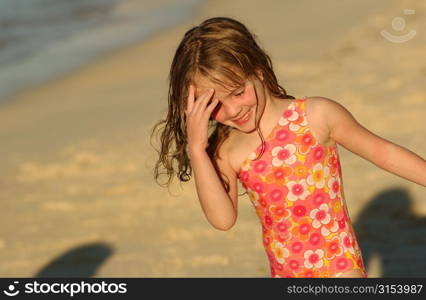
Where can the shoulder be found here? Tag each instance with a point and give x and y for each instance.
(320, 112)
(328, 110)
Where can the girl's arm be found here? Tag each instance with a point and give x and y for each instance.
(219, 207)
(345, 130)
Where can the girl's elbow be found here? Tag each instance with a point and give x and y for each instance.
(225, 226)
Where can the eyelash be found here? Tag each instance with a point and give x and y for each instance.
(240, 93)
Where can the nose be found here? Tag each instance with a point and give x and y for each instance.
(231, 109)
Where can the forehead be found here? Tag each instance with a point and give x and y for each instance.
(202, 83)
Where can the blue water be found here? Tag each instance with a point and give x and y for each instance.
(42, 39)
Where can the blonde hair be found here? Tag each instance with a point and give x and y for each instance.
(225, 51)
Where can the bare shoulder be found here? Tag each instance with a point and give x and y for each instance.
(317, 110)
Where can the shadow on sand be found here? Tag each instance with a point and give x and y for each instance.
(388, 228)
(83, 261)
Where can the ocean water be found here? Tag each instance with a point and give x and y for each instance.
(42, 39)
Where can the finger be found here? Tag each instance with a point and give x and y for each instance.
(201, 102)
(211, 107)
(191, 99)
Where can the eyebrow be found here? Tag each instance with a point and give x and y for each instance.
(232, 91)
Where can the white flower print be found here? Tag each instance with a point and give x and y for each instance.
(313, 258)
(333, 187)
(280, 252)
(284, 154)
(289, 115)
(346, 241)
(297, 190)
(320, 216)
(319, 173)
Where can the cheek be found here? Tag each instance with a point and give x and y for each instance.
(217, 114)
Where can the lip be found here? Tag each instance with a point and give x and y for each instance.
(243, 119)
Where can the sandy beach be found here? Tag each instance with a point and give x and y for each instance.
(77, 191)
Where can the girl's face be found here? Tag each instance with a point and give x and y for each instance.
(237, 106)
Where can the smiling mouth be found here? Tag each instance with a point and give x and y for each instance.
(243, 119)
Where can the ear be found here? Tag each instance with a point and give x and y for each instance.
(259, 74)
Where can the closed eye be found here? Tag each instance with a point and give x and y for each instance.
(239, 93)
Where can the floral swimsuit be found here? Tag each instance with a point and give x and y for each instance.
(296, 189)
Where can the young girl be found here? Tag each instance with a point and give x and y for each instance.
(282, 149)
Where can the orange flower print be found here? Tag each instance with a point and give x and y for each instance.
(278, 176)
(303, 229)
(310, 274)
(333, 248)
(279, 212)
(305, 142)
(333, 162)
(318, 176)
(300, 171)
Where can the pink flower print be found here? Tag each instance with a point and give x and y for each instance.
(260, 166)
(313, 258)
(294, 265)
(258, 187)
(299, 210)
(334, 187)
(333, 248)
(316, 240)
(284, 136)
(275, 193)
(267, 220)
(297, 190)
(317, 154)
(342, 264)
(280, 252)
(284, 154)
(319, 197)
(320, 216)
(289, 115)
(317, 178)
(244, 177)
(346, 241)
(296, 247)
